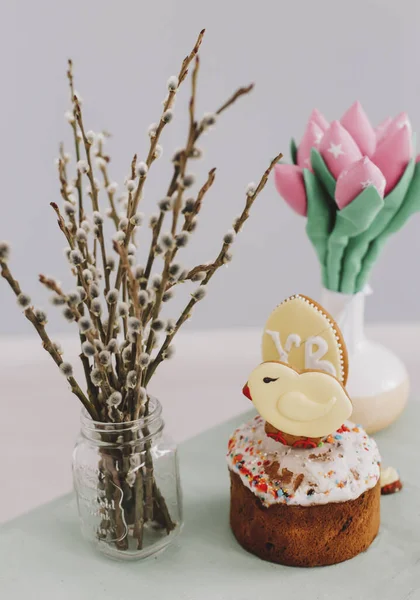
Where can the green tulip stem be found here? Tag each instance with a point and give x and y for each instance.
(352, 220)
(359, 245)
(410, 205)
(320, 219)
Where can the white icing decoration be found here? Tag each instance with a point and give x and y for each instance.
(293, 338)
(352, 465)
(313, 358)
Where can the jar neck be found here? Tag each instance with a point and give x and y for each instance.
(140, 431)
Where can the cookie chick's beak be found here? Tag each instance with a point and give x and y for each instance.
(246, 392)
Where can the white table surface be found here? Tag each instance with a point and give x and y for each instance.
(199, 388)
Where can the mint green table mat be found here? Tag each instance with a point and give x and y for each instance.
(42, 554)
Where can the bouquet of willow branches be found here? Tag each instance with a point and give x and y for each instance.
(117, 303)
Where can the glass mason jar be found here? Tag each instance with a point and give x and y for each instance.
(127, 485)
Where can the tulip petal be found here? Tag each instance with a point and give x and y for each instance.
(357, 123)
(318, 118)
(290, 185)
(352, 181)
(311, 139)
(382, 128)
(338, 149)
(393, 155)
(397, 123)
(322, 172)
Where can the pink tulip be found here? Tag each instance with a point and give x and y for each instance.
(290, 185)
(418, 158)
(396, 124)
(360, 175)
(318, 118)
(311, 138)
(356, 121)
(393, 155)
(382, 128)
(338, 149)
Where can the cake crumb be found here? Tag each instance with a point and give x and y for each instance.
(298, 481)
(355, 474)
(286, 476)
(321, 457)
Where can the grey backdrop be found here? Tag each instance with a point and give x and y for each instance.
(300, 54)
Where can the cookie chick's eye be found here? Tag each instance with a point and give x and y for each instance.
(269, 379)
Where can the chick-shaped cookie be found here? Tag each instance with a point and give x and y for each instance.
(300, 408)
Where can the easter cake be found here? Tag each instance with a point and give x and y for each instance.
(305, 480)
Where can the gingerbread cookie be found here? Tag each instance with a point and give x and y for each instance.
(301, 333)
(308, 404)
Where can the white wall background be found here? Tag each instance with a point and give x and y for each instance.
(301, 54)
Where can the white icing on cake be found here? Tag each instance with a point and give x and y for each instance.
(346, 465)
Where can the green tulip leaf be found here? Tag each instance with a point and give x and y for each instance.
(320, 218)
(352, 220)
(358, 246)
(293, 151)
(410, 205)
(322, 172)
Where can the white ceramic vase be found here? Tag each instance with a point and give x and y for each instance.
(378, 382)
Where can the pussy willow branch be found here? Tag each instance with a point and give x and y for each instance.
(46, 342)
(62, 174)
(76, 141)
(79, 269)
(170, 256)
(134, 289)
(94, 190)
(77, 315)
(52, 285)
(95, 318)
(133, 206)
(185, 155)
(103, 169)
(242, 91)
(215, 266)
(189, 219)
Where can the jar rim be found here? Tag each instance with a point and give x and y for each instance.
(154, 414)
